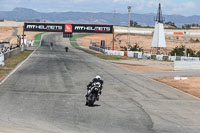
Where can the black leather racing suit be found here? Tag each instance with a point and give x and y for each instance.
(89, 86)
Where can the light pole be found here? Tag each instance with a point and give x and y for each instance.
(129, 19)
(114, 17)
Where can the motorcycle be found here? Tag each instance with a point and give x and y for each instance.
(93, 94)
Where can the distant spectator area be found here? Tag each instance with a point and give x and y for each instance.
(6, 47)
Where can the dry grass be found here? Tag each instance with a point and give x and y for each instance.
(12, 62)
(5, 33)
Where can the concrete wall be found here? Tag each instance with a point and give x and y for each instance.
(186, 65)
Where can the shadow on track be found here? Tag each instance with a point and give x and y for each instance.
(94, 105)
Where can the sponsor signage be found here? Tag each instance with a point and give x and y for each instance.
(68, 28)
(44, 27)
(86, 28)
(178, 33)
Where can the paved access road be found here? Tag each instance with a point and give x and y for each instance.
(183, 73)
(46, 95)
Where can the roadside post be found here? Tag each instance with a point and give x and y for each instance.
(113, 47)
(22, 46)
(23, 34)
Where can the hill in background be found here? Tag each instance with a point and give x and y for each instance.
(24, 14)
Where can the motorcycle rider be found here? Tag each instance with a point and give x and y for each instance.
(95, 80)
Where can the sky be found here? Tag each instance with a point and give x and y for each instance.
(179, 7)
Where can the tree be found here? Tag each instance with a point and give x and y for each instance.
(179, 51)
(123, 48)
(134, 23)
(170, 23)
(131, 23)
(186, 26)
(198, 54)
(136, 47)
(190, 52)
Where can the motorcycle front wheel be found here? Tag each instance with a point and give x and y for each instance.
(91, 100)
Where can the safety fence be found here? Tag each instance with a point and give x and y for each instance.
(141, 55)
(8, 54)
(11, 53)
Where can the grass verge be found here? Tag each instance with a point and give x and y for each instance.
(37, 39)
(99, 55)
(12, 62)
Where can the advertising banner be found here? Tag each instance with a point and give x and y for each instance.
(178, 33)
(68, 28)
(90, 28)
(44, 27)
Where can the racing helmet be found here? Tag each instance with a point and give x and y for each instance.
(98, 77)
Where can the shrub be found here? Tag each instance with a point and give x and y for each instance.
(123, 48)
(178, 50)
(198, 54)
(136, 47)
(190, 52)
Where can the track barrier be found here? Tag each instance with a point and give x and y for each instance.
(180, 62)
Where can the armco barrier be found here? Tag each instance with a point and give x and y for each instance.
(11, 53)
(172, 58)
(178, 58)
(135, 54)
(125, 53)
(146, 56)
(165, 58)
(97, 49)
(186, 65)
(110, 52)
(183, 58)
(153, 56)
(140, 55)
(130, 54)
(159, 57)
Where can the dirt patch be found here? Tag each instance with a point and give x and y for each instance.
(143, 41)
(5, 34)
(191, 85)
(9, 34)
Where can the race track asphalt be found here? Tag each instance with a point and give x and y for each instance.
(46, 95)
